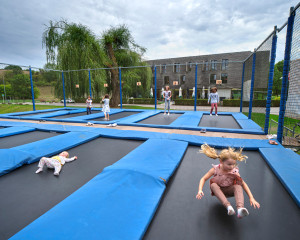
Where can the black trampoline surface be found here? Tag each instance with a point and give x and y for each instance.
(161, 119)
(181, 216)
(220, 121)
(116, 116)
(24, 138)
(35, 114)
(26, 195)
(72, 115)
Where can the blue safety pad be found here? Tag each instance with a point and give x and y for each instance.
(116, 204)
(219, 142)
(54, 145)
(9, 131)
(248, 124)
(239, 116)
(11, 159)
(188, 118)
(139, 117)
(286, 166)
(153, 159)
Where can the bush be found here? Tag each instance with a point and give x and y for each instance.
(191, 102)
(256, 103)
(140, 101)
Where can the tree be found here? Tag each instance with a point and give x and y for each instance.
(120, 49)
(15, 69)
(277, 79)
(21, 87)
(73, 46)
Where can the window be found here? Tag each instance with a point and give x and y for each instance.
(177, 67)
(206, 65)
(213, 78)
(182, 79)
(224, 64)
(189, 68)
(213, 64)
(164, 68)
(166, 80)
(224, 77)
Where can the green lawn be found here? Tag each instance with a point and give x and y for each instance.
(11, 108)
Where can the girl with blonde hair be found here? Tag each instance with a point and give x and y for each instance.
(226, 181)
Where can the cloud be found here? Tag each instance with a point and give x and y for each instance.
(166, 28)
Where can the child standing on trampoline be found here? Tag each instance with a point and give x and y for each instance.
(55, 162)
(106, 108)
(167, 94)
(89, 105)
(226, 181)
(214, 100)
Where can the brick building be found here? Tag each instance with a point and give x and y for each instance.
(180, 72)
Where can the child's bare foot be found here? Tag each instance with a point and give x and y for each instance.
(242, 212)
(39, 170)
(230, 210)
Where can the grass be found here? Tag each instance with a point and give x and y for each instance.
(259, 118)
(11, 108)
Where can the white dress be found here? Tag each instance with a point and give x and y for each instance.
(106, 108)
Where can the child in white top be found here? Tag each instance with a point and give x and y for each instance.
(55, 162)
(214, 100)
(167, 94)
(106, 108)
(89, 105)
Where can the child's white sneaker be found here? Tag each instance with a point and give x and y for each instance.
(56, 173)
(242, 212)
(230, 211)
(210, 114)
(39, 170)
(164, 113)
(168, 113)
(216, 114)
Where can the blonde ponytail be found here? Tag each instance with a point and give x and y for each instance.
(209, 151)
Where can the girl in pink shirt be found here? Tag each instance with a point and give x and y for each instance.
(226, 181)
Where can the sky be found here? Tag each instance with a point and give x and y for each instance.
(166, 28)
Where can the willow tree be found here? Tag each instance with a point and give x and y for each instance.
(121, 50)
(73, 46)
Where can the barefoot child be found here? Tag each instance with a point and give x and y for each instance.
(89, 106)
(55, 162)
(226, 181)
(167, 94)
(214, 100)
(106, 108)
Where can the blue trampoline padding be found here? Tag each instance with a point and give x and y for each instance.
(9, 131)
(248, 124)
(116, 204)
(139, 117)
(188, 118)
(11, 159)
(239, 116)
(54, 145)
(288, 172)
(246, 144)
(156, 157)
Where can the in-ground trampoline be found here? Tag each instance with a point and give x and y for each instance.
(24, 138)
(71, 115)
(29, 195)
(116, 116)
(161, 119)
(220, 121)
(126, 194)
(181, 216)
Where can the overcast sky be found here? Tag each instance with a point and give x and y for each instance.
(166, 28)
